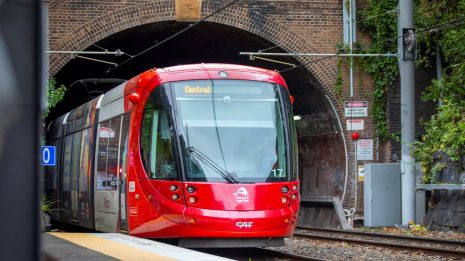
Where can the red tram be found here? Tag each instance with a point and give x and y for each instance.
(203, 153)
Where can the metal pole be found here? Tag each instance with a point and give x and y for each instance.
(20, 98)
(351, 62)
(407, 118)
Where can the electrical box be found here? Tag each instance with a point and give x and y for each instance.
(382, 194)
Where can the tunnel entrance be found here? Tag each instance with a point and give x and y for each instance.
(322, 158)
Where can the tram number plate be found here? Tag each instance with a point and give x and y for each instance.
(277, 173)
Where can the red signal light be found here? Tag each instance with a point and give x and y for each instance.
(355, 136)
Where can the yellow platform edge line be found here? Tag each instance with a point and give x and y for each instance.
(109, 247)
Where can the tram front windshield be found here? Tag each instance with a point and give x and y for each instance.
(232, 130)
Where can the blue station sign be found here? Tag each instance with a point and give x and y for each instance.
(48, 155)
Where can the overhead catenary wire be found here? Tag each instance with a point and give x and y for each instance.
(302, 65)
(172, 36)
(269, 48)
(428, 30)
(432, 29)
(435, 28)
(374, 16)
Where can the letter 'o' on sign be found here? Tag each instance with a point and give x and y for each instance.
(48, 155)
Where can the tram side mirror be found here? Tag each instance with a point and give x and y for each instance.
(291, 98)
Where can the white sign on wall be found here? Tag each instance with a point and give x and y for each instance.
(355, 109)
(365, 149)
(361, 173)
(355, 124)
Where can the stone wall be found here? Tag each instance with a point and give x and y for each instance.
(447, 208)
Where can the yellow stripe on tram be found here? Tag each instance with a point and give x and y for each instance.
(109, 247)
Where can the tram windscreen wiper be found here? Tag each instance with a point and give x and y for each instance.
(212, 164)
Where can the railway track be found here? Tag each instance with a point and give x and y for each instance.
(278, 255)
(447, 248)
(257, 254)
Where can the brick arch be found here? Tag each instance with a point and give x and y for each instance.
(235, 16)
(164, 10)
(108, 24)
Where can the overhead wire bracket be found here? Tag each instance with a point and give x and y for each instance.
(118, 52)
(93, 59)
(252, 57)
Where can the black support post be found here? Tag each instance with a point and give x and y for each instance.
(20, 97)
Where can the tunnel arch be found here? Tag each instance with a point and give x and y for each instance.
(252, 22)
(164, 10)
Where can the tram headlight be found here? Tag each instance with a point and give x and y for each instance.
(192, 200)
(175, 197)
(284, 189)
(173, 187)
(293, 196)
(294, 187)
(190, 189)
(284, 200)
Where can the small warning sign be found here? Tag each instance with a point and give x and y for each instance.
(355, 109)
(355, 124)
(361, 173)
(365, 149)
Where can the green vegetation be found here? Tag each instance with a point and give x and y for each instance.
(443, 144)
(439, 23)
(55, 95)
(48, 206)
(380, 23)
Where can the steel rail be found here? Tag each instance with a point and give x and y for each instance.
(426, 249)
(279, 254)
(411, 238)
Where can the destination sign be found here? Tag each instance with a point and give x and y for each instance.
(197, 89)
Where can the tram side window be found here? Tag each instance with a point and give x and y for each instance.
(52, 171)
(75, 163)
(108, 148)
(113, 147)
(104, 136)
(124, 142)
(165, 167)
(67, 163)
(86, 159)
(145, 136)
(156, 144)
(294, 151)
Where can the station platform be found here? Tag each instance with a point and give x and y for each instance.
(113, 246)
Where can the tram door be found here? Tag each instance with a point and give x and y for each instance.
(70, 183)
(65, 203)
(74, 181)
(110, 175)
(122, 174)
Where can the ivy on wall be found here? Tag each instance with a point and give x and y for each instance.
(443, 143)
(439, 23)
(380, 23)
